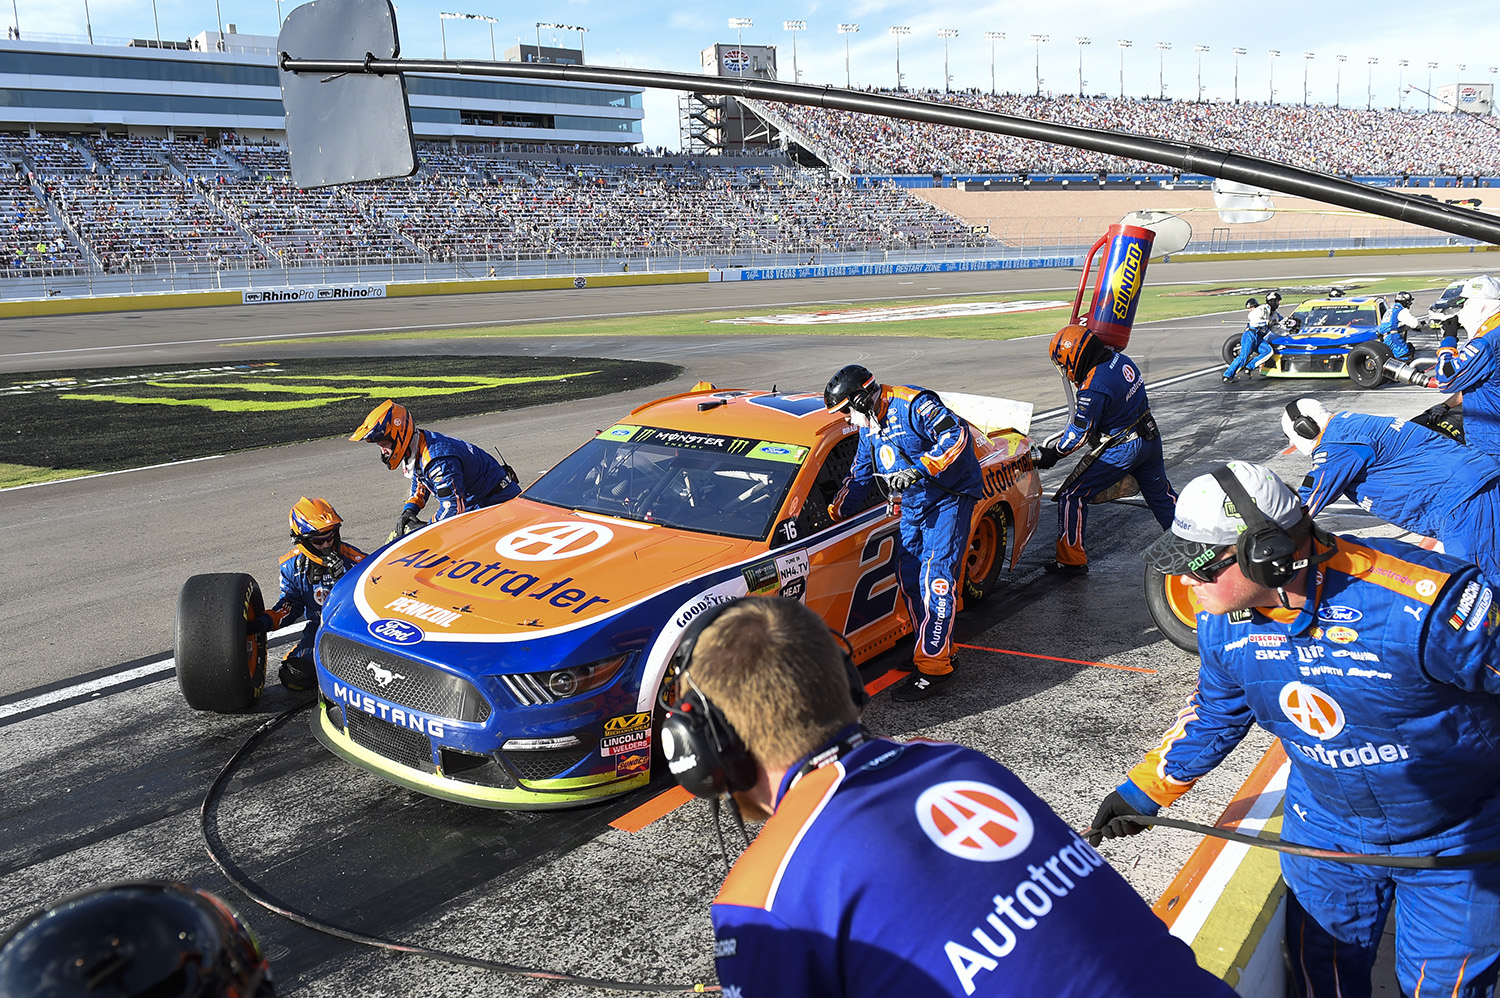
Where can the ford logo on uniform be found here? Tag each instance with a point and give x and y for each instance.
(397, 632)
(1339, 614)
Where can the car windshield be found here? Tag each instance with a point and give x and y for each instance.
(695, 481)
(1451, 293)
(1350, 314)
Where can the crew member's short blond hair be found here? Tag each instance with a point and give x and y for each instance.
(777, 672)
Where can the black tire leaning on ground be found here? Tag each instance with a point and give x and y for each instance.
(985, 557)
(1172, 609)
(1231, 349)
(1365, 364)
(220, 667)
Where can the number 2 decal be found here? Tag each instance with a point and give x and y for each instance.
(877, 564)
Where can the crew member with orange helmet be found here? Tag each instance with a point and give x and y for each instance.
(458, 474)
(318, 559)
(1113, 418)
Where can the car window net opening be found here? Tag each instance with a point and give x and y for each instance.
(703, 482)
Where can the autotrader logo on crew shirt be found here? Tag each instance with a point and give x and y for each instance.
(974, 821)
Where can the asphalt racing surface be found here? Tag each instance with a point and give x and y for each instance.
(104, 767)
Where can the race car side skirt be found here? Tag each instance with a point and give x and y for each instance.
(558, 794)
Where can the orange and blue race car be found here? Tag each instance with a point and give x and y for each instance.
(511, 656)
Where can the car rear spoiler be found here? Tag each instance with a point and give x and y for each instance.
(989, 414)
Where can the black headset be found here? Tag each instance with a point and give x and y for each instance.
(1265, 551)
(1305, 425)
(703, 751)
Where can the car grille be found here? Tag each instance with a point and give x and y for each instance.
(398, 744)
(421, 688)
(545, 765)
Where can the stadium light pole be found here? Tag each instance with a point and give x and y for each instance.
(1370, 63)
(483, 17)
(794, 27)
(1401, 64)
(217, 12)
(739, 24)
(1275, 54)
(992, 37)
(1037, 41)
(897, 30)
(154, 17)
(88, 23)
(1200, 49)
(846, 30)
(1307, 58)
(1430, 67)
(1124, 44)
(1237, 53)
(1082, 40)
(1161, 68)
(945, 34)
(1457, 84)
(1338, 76)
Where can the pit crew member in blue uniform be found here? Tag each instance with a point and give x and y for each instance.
(1473, 373)
(458, 474)
(308, 571)
(1393, 328)
(925, 454)
(1112, 420)
(138, 939)
(1403, 473)
(1372, 661)
(891, 870)
(1255, 346)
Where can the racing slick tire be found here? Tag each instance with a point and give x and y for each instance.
(986, 555)
(1231, 349)
(1366, 364)
(220, 667)
(1173, 609)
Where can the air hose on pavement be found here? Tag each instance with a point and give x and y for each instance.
(207, 817)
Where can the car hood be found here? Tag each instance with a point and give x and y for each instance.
(1324, 336)
(526, 568)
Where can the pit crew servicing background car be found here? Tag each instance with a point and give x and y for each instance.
(908, 434)
(1255, 349)
(308, 571)
(1371, 661)
(889, 869)
(1113, 417)
(461, 476)
(1404, 473)
(1398, 321)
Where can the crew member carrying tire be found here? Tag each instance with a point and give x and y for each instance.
(1113, 418)
(458, 474)
(927, 455)
(318, 560)
(1255, 345)
(1404, 473)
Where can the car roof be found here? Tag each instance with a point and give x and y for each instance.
(794, 418)
(1361, 300)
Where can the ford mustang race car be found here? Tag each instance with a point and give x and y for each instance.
(512, 656)
(1329, 329)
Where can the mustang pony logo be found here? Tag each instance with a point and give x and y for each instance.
(383, 676)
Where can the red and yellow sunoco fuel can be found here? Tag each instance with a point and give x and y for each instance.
(1118, 284)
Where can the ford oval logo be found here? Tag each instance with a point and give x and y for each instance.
(1339, 614)
(397, 632)
(775, 450)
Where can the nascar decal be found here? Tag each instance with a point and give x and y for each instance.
(1466, 605)
(626, 734)
(903, 313)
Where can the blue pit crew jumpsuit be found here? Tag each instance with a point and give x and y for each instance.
(926, 869)
(1397, 319)
(306, 578)
(1383, 694)
(1474, 373)
(918, 431)
(1255, 343)
(1111, 400)
(1409, 475)
(458, 474)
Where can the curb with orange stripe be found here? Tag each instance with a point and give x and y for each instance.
(1227, 901)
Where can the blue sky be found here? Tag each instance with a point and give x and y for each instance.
(662, 35)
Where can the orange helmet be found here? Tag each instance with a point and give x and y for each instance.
(1067, 348)
(391, 426)
(313, 521)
